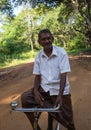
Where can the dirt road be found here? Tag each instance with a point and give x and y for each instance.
(14, 81)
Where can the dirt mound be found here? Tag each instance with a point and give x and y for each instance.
(16, 73)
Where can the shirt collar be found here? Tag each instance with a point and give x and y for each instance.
(54, 53)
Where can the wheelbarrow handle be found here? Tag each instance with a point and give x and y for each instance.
(14, 106)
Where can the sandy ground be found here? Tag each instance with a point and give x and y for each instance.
(16, 80)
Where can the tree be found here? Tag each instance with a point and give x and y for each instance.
(84, 8)
(21, 31)
(6, 7)
(81, 22)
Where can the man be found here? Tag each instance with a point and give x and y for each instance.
(51, 85)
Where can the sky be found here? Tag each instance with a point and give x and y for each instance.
(17, 10)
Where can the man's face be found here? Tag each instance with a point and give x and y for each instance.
(46, 40)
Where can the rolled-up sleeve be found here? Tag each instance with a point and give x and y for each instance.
(36, 68)
(64, 64)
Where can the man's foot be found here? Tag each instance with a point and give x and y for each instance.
(38, 127)
(71, 127)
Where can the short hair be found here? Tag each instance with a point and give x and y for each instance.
(44, 31)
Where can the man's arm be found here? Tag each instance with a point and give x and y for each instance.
(62, 83)
(61, 90)
(37, 81)
(38, 97)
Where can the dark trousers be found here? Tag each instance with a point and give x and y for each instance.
(65, 116)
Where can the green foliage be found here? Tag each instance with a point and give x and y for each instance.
(6, 7)
(76, 42)
(16, 48)
(19, 35)
(11, 51)
(78, 51)
(16, 58)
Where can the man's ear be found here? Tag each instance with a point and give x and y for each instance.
(39, 42)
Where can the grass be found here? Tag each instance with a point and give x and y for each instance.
(16, 59)
(78, 51)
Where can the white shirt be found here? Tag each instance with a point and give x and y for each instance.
(50, 69)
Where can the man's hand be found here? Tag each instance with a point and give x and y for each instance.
(58, 100)
(61, 90)
(38, 97)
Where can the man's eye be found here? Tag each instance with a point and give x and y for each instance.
(43, 39)
(49, 38)
(46, 39)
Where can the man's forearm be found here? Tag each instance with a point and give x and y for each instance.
(62, 83)
(37, 82)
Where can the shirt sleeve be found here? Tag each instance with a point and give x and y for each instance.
(64, 64)
(36, 68)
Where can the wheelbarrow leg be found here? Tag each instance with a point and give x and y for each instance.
(50, 122)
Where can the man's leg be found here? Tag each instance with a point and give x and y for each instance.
(68, 112)
(65, 116)
(28, 101)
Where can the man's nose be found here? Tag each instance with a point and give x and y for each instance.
(46, 40)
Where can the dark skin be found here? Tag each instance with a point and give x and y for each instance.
(46, 41)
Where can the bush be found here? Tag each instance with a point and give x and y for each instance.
(77, 42)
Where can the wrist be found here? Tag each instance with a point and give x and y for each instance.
(35, 90)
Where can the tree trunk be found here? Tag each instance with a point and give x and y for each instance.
(30, 27)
